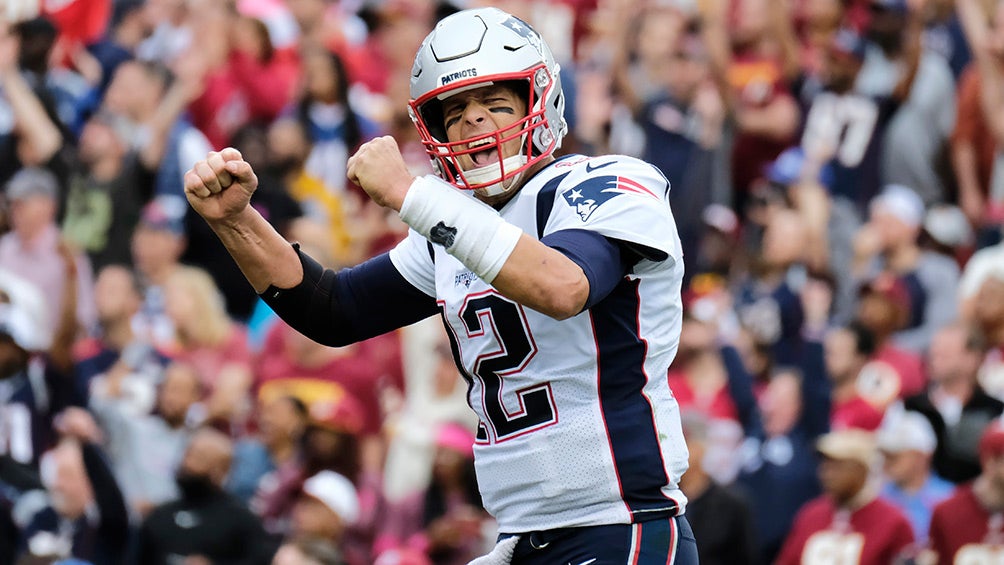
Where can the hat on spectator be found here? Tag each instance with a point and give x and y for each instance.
(849, 42)
(901, 202)
(787, 169)
(992, 441)
(721, 218)
(948, 225)
(165, 213)
(342, 413)
(905, 430)
(851, 444)
(32, 181)
(336, 492)
(456, 437)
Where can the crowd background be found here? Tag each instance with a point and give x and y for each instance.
(837, 172)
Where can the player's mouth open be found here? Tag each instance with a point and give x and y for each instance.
(488, 155)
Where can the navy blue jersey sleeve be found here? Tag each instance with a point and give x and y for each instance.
(602, 259)
(351, 305)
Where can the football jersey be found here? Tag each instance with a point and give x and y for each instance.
(578, 425)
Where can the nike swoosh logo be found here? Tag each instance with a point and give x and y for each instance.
(586, 562)
(590, 168)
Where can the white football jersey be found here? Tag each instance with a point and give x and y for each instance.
(578, 424)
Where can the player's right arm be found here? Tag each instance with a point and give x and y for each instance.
(219, 188)
(328, 307)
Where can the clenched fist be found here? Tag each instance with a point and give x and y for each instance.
(380, 170)
(220, 187)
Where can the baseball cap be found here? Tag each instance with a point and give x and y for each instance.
(902, 202)
(992, 440)
(851, 444)
(721, 218)
(336, 492)
(906, 431)
(165, 213)
(456, 438)
(787, 168)
(339, 414)
(32, 181)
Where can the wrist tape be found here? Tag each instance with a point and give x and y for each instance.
(470, 230)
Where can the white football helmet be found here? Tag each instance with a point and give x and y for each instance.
(476, 48)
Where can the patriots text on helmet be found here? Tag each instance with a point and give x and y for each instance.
(466, 73)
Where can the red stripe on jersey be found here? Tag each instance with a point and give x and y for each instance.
(629, 185)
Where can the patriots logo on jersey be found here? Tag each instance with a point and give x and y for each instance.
(588, 196)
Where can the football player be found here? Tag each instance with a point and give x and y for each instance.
(558, 281)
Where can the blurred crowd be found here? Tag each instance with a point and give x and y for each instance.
(837, 171)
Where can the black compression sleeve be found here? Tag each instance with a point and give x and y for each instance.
(351, 305)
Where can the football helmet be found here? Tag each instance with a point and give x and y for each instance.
(476, 48)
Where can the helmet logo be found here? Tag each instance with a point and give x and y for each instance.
(450, 77)
(524, 31)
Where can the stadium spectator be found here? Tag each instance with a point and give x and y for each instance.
(914, 144)
(326, 508)
(847, 351)
(446, 520)
(849, 520)
(117, 357)
(147, 103)
(324, 109)
(156, 245)
(856, 159)
(27, 416)
(983, 29)
(204, 522)
(721, 518)
(907, 443)
(106, 193)
(213, 344)
(955, 404)
(967, 527)
(989, 321)
(268, 468)
(31, 250)
(885, 305)
(146, 447)
(86, 517)
(889, 242)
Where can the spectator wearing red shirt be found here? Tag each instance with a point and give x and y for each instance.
(849, 523)
(969, 526)
(753, 73)
(244, 77)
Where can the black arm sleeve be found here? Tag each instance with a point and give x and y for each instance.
(351, 305)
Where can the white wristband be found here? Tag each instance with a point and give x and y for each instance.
(470, 230)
